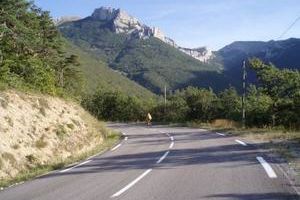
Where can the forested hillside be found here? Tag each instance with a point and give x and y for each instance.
(98, 75)
(148, 61)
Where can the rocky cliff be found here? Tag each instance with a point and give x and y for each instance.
(122, 22)
(202, 53)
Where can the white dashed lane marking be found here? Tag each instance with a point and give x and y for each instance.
(267, 167)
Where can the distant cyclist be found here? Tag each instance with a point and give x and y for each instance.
(148, 119)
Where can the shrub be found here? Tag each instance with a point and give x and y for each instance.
(10, 158)
(71, 126)
(31, 158)
(15, 146)
(41, 143)
(43, 111)
(60, 132)
(9, 121)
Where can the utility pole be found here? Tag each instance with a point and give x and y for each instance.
(165, 94)
(244, 95)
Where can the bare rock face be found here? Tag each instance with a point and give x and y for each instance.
(104, 14)
(202, 53)
(122, 22)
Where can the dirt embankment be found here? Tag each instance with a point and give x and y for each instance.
(38, 130)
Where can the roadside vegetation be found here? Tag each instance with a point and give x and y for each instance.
(273, 103)
(42, 169)
(40, 132)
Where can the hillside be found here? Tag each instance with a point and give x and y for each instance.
(137, 51)
(98, 75)
(282, 53)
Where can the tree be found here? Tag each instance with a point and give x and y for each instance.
(283, 87)
(230, 104)
(258, 107)
(30, 49)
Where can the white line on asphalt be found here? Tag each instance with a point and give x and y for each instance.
(267, 167)
(116, 147)
(163, 157)
(131, 184)
(126, 138)
(222, 134)
(171, 145)
(241, 142)
(65, 170)
(123, 133)
(172, 138)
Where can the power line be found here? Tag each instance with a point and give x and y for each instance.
(289, 28)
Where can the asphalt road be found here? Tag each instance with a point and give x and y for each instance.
(165, 163)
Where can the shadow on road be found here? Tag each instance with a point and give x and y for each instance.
(231, 155)
(264, 196)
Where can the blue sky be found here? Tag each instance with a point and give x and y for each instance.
(195, 23)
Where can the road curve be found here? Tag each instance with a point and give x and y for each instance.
(165, 163)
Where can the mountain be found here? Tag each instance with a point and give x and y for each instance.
(98, 75)
(282, 53)
(141, 53)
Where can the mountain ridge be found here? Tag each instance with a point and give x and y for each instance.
(122, 22)
(129, 47)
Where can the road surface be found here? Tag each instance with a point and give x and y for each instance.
(165, 163)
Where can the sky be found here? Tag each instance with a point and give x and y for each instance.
(196, 23)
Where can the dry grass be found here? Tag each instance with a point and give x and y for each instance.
(225, 123)
(1, 163)
(277, 139)
(34, 171)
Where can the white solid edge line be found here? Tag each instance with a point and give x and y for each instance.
(241, 142)
(65, 170)
(131, 184)
(126, 138)
(172, 138)
(163, 157)
(116, 147)
(222, 134)
(171, 145)
(267, 167)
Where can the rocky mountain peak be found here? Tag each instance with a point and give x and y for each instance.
(122, 22)
(105, 13)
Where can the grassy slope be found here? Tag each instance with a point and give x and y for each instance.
(44, 123)
(97, 74)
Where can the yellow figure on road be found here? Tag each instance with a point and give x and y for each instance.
(148, 119)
